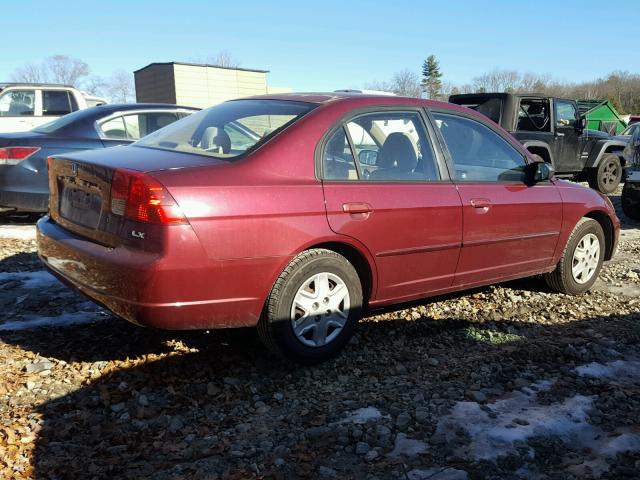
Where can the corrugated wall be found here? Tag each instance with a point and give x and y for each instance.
(203, 86)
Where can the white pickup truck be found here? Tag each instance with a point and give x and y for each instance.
(24, 106)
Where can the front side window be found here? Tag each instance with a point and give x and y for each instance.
(565, 114)
(479, 154)
(386, 146)
(56, 102)
(17, 103)
(208, 132)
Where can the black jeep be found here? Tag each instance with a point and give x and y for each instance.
(554, 129)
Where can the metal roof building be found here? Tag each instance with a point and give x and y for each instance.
(198, 85)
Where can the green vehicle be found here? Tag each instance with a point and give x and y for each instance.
(602, 116)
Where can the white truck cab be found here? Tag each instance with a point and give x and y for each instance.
(24, 106)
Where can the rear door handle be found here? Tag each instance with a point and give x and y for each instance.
(483, 203)
(356, 207)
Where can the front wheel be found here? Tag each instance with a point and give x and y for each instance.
(581, 260)
(606, 177)
(313, 307)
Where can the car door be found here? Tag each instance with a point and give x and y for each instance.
(509, 228)
(386, 187)
(566, 143)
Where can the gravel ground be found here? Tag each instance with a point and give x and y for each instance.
(505, 382)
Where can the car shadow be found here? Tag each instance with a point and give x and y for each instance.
(217, 408)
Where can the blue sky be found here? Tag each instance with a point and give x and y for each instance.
(332, 44)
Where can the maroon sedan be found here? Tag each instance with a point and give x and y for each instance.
(299, 212)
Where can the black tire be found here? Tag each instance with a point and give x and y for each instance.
(607, 175)
(630, 207)
(275, 326)
(562, 278)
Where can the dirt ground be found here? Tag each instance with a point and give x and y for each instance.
(504, 382)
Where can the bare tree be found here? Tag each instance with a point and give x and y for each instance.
(96, 85)
(30, 73)
(497, 81)
(405, 83)
(56, 69)
(120, 87)
(67, 70)
(224, 59)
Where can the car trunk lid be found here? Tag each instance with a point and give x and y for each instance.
(81, 190)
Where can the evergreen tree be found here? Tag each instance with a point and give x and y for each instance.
(431, 84)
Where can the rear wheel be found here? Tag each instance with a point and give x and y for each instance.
(630, 206)
(313, 308)
(581, 260)
(606, 177)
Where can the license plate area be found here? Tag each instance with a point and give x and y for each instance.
(80, 206)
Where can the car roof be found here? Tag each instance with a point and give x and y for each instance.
(362, 99)
(139, 106)
(30, 84)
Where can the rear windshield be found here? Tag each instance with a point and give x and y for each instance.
(227, 130)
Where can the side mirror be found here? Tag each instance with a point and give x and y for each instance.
(537, 171)
(581, 123)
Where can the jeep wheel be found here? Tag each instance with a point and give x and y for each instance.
(313, 307)
(630, 206)
(581, 259)
(606, 177)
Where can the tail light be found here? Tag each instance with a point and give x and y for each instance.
(142, 198)
(14, 155)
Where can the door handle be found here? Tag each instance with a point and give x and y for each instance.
(481, 203)
(356, 207)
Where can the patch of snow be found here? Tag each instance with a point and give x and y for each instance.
(407, 447)
(29, 322)
(38, 279)
(495, 437)
(437, 473)
(622, 370)
(18, 232)
(496, 428)
(364, 415)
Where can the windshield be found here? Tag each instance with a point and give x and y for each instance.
(227, 130)
(61, 122)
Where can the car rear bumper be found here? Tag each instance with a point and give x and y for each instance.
(24, 201)
(176, 291)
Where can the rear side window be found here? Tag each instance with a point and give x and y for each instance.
(533, 115)
(140, 124)
(479, 154)
(113, 129)
(386, 146)
(56, 102)
(338, 161)
(17, 103)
